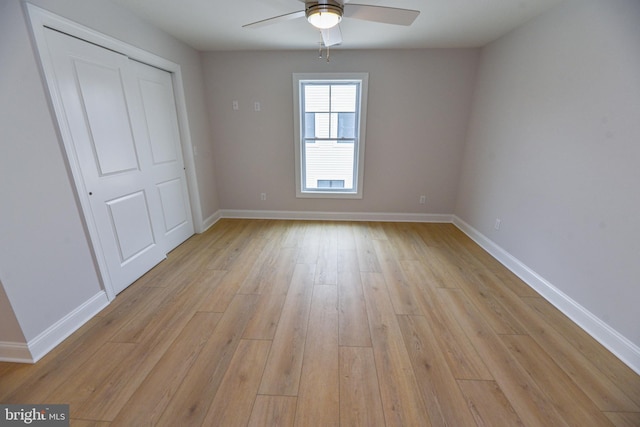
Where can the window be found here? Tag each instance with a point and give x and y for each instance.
(330, 112)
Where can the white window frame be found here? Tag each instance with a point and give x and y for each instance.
(363, 80)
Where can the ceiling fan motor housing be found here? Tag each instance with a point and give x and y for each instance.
(315, 11)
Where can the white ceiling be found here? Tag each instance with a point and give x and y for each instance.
(217, 25)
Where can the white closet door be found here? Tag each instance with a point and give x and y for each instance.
(97, 88)
(166, 171)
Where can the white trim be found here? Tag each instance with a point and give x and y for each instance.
(56, 333)
(16, 352)
(187, 150)
(363, 79)
(210, 221)
(619, 345)
(35, 349)
(335, 216)
(39, 19)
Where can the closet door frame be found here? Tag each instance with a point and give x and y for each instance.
(41, 19)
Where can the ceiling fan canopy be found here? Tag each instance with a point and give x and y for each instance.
(325, 15)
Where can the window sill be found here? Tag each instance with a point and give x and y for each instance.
(327, 195)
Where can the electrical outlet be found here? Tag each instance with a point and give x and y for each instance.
(256, 106)
(263, 196)
(236, 107)
(497, 224)
(423, 200)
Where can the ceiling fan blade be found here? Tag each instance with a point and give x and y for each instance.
(276, 19)
(332, 36)
(386, 15)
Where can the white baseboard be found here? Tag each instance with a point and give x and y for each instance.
(35, 349)
(615, 342)
(209, 221)
(336, 216)
(60, 330)
(15, 352)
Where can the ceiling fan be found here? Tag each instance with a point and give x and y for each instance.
(326, 16)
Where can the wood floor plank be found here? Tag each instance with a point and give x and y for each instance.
(318, 396)
(346, 238)
(405, 243)
(401, 398)
(13, 375)
(264, 322)
(282, 373)
(353, 328)
(480, 289)
(327, 263)
(133, 330)
(461, 356)
(461, 246)
(88, 423)
(400, 291)
(602, 390)
(529, 402)
(310, 249)
(86, 381)
(511, 281)
(258, 280)
(148, 402)
(54, 370)
(19, 381)
(445, 403)
(190, 255)
(360, 403)
(376, 230)
(624, 419)
(130, 297)
(444, 270)
(273, 411)
(367, 258)
(220, 298)
(429, 234)
(574, 406)
(619, 373)
(273, 267)
(200, 384)
(223, 254)
(232, 253)
(234, 399)
(411, 232)
(488, 404)
(293, 236)
(173, 315)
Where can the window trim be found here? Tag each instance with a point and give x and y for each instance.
(363, 80)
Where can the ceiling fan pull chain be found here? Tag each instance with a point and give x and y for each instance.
(328, 54)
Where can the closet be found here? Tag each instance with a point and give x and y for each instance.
(119, 121)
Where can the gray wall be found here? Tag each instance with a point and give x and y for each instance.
(553, 150)
(419, 102)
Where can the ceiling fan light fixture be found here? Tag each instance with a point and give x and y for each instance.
(324, 16)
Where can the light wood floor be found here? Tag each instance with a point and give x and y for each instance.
(277, 323)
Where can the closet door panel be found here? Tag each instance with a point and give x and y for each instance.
(167, 173)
